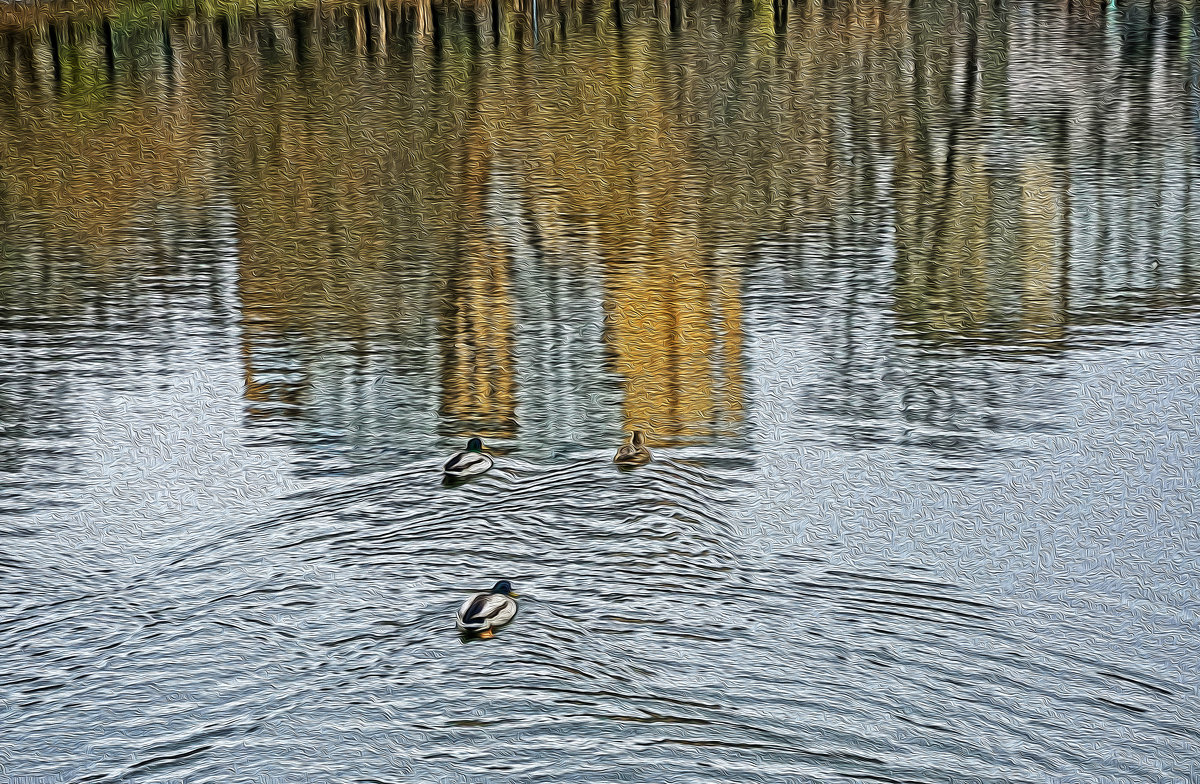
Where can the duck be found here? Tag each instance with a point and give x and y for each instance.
(634, 453)
(472, 462)
(486, 611)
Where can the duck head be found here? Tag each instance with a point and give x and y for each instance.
(475, 445)
(637, 439)
(503, 587)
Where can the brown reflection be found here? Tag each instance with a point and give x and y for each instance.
(1042, 250)
(311, 218)
(675, 335)
(980, 246)
(83, 168)
(478, 372)
(358, 145)
(608, 161)
(362, 213)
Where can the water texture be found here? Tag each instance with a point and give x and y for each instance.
(903, 294)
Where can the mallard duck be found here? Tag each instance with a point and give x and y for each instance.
(634, 453)
(469, 463)
(484, 612)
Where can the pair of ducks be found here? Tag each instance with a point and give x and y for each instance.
(474, 461)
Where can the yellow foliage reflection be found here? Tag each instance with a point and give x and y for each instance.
(362, 150)
(479, 395)
(602, 147)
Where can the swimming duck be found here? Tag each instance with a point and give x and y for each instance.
(469, 463)
(634, 453)
(484, 612)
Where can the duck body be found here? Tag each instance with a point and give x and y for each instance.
(634, 453)
(472, 462)
(483, 612)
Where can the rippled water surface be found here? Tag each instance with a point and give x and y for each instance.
(905, 295)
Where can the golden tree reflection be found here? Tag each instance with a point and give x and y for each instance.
(385, 162)
(605, 155)
(478, 376)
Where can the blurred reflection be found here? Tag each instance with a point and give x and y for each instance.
(455, 220)
(478, 376)
(608, 162)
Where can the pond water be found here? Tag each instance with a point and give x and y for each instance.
(904, 294)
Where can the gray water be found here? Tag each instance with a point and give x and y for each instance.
(904, 296)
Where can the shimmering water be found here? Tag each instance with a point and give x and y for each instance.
(905, 295)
